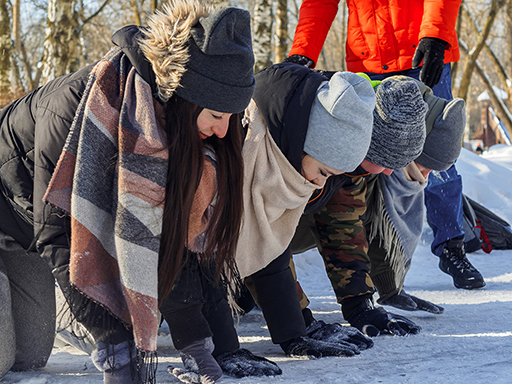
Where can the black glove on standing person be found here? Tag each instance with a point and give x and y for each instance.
(299, 59)
(431, 51)
(373, 322)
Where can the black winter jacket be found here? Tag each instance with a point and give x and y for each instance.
(33, 132)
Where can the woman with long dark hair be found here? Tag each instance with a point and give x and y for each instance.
(126, 178)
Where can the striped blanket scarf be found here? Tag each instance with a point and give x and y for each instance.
(397, 217)
(111, 179)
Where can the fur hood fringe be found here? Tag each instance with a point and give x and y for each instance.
(165, 43)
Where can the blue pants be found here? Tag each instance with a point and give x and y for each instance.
(443, 194)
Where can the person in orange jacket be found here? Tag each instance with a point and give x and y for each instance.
(416, 38)
(384, 36)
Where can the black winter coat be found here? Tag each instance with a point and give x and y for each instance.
(33, 132)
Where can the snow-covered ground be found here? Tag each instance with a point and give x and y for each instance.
(471, 342)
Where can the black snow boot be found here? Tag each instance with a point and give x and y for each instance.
(454, 262)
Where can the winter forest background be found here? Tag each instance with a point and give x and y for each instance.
(43, 39)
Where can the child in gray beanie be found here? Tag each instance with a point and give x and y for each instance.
(398, 124)
(398, 137)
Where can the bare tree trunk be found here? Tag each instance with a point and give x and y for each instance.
(500, 69)
(136, 12)
(11, 86)
(220, 3)
(501, 110)
(472, 56)
(19, 54)
(282, 31)
(509, 53)
(61, 38)
(455, 66)
(262, 34)
(343, 35)
(5, 49)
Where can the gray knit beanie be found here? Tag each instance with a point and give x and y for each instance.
(340, 122)
(398, 124)
(444, 142)
(220, 73)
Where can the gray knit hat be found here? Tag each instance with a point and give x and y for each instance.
(340, 122)
(398, 124)
(220, 73)
(444, 142)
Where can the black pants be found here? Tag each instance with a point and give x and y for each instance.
(27, 308)
(277, 296)
(197, 308)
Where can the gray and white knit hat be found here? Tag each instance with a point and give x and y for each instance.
(398, 124)
(340, 121)
(220, 71)
(444, 141)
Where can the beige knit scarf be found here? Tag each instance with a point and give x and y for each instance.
(275, 195)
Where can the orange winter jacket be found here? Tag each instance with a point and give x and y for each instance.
(382, 35)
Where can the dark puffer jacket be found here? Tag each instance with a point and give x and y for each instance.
(34, 130)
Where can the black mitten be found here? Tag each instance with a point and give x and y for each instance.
(336, 333)
(241, 363)
(306, 346)
(200, 365)
(408, 302)
(400, 301)
(299, 59)
(117, 363)
(431, 51)
(373, 322)
(424, 305)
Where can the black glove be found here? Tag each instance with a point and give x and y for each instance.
(299, 59)
(306, 346)
(336, 333)
(188, 377)
(431, 51)
(373, 322)
(241, 362)
(408, 302)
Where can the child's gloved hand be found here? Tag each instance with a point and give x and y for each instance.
(376, 321)
(337, 333)
(408, 302)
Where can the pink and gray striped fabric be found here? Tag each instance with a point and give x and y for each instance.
(111, 180)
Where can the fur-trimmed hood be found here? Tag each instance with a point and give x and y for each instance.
(165, 44)
(159, 52)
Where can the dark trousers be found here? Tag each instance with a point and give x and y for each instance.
(27, 308)
(276, 293)
(197, 308)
